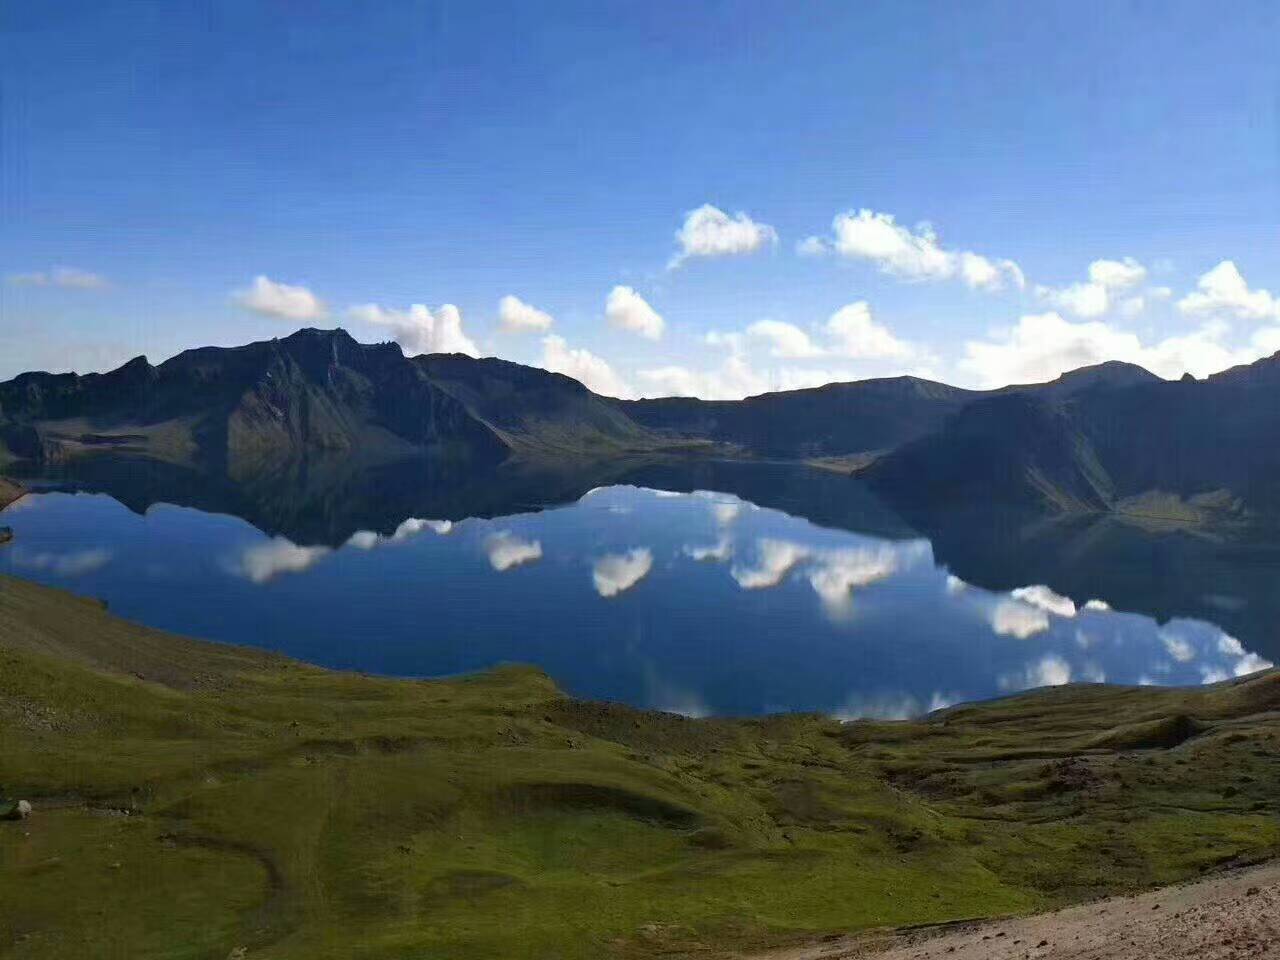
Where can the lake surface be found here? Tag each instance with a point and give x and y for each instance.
(696, 602)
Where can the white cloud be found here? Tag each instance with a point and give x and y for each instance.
(726, 511)
(584, 366)
(1044, 598)
(368, 539)
(774, 560)
(1049, 671)
(281, 300)
(505, 550)
(732, 380)
(1131, 307)
(1210, 674)
(1094, 297)
(710, 232)
(1013, 618)
(1042, 346)
(616, 572)
(69, 278)
(1230, 646)
(1117, 274)
(840, 572)
(265, 561)
(889, 706)
(786, 341)
(849, 334)
(717, 552)
(1223, 292)
(627, 310)
(812, 247)
(1082, 299)
(418, 330)
(833, 574)
(75, 563)
(1251, 663)
(516, 316)
(1180, 648)
(1097, 605)
(855, 334)
(896, 250)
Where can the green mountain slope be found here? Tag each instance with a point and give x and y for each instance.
(197, 800)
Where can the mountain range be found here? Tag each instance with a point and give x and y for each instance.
(1102, 438)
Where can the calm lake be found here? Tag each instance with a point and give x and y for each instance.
(697, 602)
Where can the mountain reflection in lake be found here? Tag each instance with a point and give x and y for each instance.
(699, 603)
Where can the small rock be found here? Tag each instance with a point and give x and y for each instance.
(1252, 892)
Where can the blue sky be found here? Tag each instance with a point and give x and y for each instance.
(961, 167)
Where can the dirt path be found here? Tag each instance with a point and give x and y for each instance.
(1231, 916)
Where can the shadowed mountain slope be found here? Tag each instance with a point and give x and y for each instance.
(226, 409)
(1164, 448)
(834, 420)
(1107, 437)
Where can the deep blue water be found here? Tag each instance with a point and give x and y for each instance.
(698, 603)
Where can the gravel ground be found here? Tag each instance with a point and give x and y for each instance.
(1231, 916)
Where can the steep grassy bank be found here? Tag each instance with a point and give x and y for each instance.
(193, 799)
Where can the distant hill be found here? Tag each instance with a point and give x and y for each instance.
(1123, 442)
(834, 420)
(1112, 436)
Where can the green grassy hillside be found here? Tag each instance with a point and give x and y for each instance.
(195, 800)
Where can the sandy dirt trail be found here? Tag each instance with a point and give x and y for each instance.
(1230, 916)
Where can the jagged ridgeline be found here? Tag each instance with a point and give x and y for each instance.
(1109, 437)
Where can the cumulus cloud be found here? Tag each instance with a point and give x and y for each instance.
(1044, 598)
(716, 552)
(849, 334)
(505, 550)
(833, 574)
(627, 310)
(774, 560)
(1042, 346)
(726, 511)
(812, 247)
(891, 706)
(1250, 663)
(733, 379)
(856, 335)
(69, 278)
(1013, 618)
(617, 572)
(786, 341)
(280, 300)
(1223, 292)
(408, 529)
(1049, 671)
(75, 563)
(593, 372)
(911, 255)
(710, 232)
(840, 572)
(1178, 647)
(418, 329)
(265, 561)
(1095, 296)
(516, 316)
